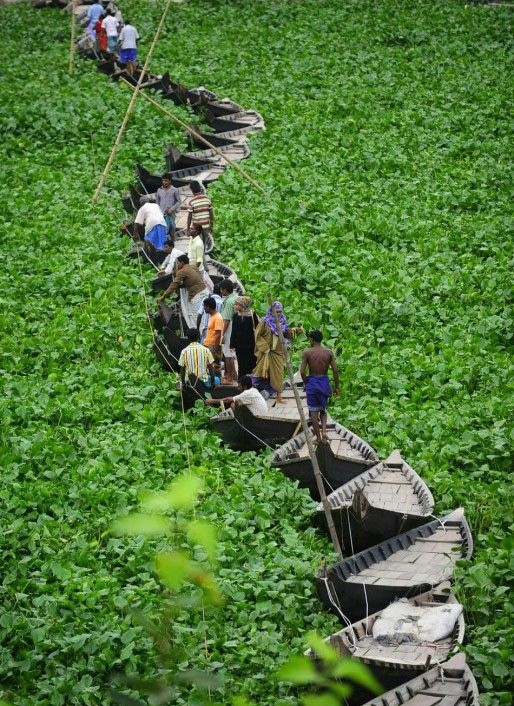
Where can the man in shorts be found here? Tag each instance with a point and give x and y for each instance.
(128, 47)
(318, 360)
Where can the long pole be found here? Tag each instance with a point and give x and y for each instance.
(131, 104)
(308, 440)
(202, 139)
(73, 35)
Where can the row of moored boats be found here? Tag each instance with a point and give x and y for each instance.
(392, 593)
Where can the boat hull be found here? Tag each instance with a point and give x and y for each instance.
(242, 431)
(377, 526)
(335, 472)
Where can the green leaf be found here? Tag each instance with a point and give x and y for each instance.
(299, 670)
(357, 672)
(184, 491)
(322, 649)
(141, 524)
(321, 700)
(203, 533)
(173, 568)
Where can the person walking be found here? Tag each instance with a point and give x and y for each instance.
(128, 47)
(317, 360)
(95, 11)
(110, 25)
(268, 374)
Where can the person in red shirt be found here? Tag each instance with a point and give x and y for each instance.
(101, 34)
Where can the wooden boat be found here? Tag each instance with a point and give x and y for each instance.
(235, 150)
(164, 355)
(387, 499)
(404, 566)
(235, 121)
(223, 107)
(449, 684)
(344, 456)
(175, 159)
(244, 431)
(215, 139)
(401, 652)
(150, 182)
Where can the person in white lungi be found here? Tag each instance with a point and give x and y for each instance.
(227, 312)
(192, 289)
(196, 254)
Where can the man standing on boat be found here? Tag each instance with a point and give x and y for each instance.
(196, 362)
(200, 210)
(128, 47)
(168, 200)
(318, 360)
(193, 289)
(227, 313)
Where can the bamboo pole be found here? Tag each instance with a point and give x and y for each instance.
(202, 139)
(73, 37)
(131, 104)
(308, 440)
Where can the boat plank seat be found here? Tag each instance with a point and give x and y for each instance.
(424, 700)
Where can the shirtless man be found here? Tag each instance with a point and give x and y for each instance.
(318, 360)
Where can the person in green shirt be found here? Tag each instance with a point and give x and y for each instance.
(227, 312)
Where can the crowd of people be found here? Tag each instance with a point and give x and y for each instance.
(227, 341)
(112, 35)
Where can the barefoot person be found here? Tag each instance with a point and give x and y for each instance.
(318, 360)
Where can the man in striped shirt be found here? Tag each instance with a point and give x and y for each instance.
(200, 210)
(196, 361)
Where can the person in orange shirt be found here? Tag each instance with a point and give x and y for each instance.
(214, 333)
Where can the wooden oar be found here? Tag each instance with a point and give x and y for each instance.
(308, 440)
(131, 104)
(199, 137)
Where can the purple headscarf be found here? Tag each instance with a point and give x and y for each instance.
(270, 319)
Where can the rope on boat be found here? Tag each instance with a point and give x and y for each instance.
(353, 554)
(336, 605)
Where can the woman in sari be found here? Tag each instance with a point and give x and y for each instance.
(242, 338)
(268, 374)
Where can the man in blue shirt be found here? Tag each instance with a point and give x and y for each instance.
(93, 14)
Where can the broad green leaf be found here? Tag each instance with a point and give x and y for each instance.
(321, 700)
(202, 532)
(321, 648)
(299, 670)
(357, 672)
(173, 568)
(141, 524)
(184, 491)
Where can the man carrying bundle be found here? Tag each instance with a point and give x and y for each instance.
(317, 386)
